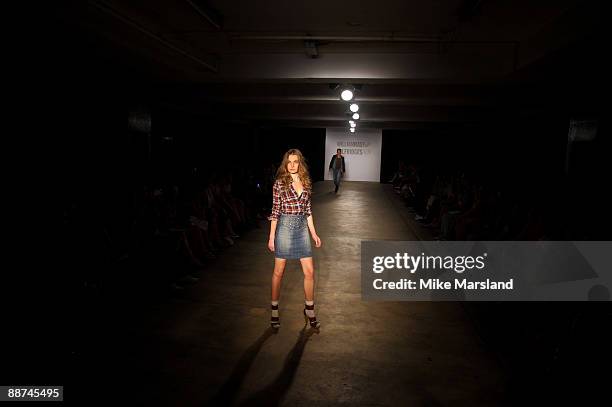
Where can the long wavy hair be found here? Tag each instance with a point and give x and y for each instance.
(285, 177)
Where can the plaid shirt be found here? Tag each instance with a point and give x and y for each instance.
(287, 201)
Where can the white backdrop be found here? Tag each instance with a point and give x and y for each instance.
(361, 151)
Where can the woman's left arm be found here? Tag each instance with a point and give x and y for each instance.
(313, 232)
(311, 226)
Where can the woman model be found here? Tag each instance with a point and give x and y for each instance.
(291, 220)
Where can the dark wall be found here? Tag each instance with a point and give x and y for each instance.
(513, 151)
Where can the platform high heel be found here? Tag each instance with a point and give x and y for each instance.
(311, 320)
(274, 319)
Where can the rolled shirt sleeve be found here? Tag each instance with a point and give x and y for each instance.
(308, 210)
(276, 202)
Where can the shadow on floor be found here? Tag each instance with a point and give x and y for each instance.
(272, 394)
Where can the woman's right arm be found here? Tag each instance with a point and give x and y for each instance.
(272, 235)
(276, 209)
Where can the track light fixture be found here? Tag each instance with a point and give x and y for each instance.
(347, 93)
(311, 49)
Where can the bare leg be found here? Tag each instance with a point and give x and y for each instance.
(308, 269)
(309, 314)
(277, 276)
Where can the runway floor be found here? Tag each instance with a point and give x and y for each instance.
(212, 345)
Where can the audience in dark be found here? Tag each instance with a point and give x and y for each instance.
(456, 205)
(176, 229)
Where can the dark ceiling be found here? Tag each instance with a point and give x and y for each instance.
(416, 61)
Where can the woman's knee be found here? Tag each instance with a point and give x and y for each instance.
(308, 273)
(279, 270)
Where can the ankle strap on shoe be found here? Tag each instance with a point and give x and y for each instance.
(274, 306)
(309, 307)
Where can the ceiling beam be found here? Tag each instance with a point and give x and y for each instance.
(212, 16)
(102, 6)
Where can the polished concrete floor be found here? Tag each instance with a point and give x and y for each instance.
(212, 345)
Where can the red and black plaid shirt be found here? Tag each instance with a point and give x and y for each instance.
(286, 200)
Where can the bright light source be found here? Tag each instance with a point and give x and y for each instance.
(353, 124)
(352, 129)
(346, 95)
(356, 116)
(354, 107)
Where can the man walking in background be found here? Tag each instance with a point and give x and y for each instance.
(337, 166)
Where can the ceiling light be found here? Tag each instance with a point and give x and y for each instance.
(354, 107)
(353, 124)
(356, 116)
(347, 95)
(352, 129)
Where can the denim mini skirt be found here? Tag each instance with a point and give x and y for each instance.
(292, 240)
